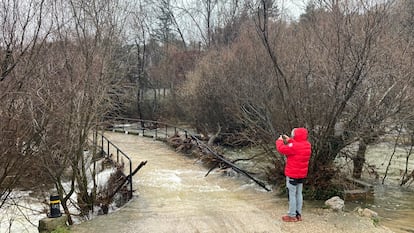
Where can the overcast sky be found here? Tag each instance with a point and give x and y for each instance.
(293, 8)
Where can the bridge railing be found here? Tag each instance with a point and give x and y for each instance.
(111, 150)
(146, 128)
(137, 126)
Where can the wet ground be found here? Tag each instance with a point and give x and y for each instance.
(173, 195)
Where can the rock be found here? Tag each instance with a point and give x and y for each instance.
(47, 225)
(335, 203)
(367, 213)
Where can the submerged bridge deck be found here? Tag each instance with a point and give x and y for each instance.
(172, 195)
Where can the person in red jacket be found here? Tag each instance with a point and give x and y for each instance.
(297, 150)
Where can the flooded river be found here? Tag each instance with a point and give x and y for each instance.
(173, 195)
(393, 203)
(396, 206)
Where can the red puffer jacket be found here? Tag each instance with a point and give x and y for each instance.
(297, 152)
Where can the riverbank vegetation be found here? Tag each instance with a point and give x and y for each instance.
(343, 70)
(242, 71)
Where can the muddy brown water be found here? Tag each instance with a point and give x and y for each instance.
(173, 195)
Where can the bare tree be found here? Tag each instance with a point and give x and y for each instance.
(23, 33)
(206, 17)
(343, 48)
(408, 175)
(329, 72)
(84, 48)
(53, 111)
(405, 19)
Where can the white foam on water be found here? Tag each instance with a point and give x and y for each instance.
(21, 213)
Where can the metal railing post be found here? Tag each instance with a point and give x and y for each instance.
(130, 176)
(107, 148)
(166, 131)
(102, 145)
(143, 127)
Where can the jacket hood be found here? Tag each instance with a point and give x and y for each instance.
(300, 134)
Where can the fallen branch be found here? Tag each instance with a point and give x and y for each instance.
(202, 146)
(124, 179)
(411, 176)
(211, 169)
(216, 164)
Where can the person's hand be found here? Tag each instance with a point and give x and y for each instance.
(285, 138)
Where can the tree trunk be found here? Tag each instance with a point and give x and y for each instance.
(359, 160)
(324, 154)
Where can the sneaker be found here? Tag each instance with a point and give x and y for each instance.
(287, 218)
(298, 216)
